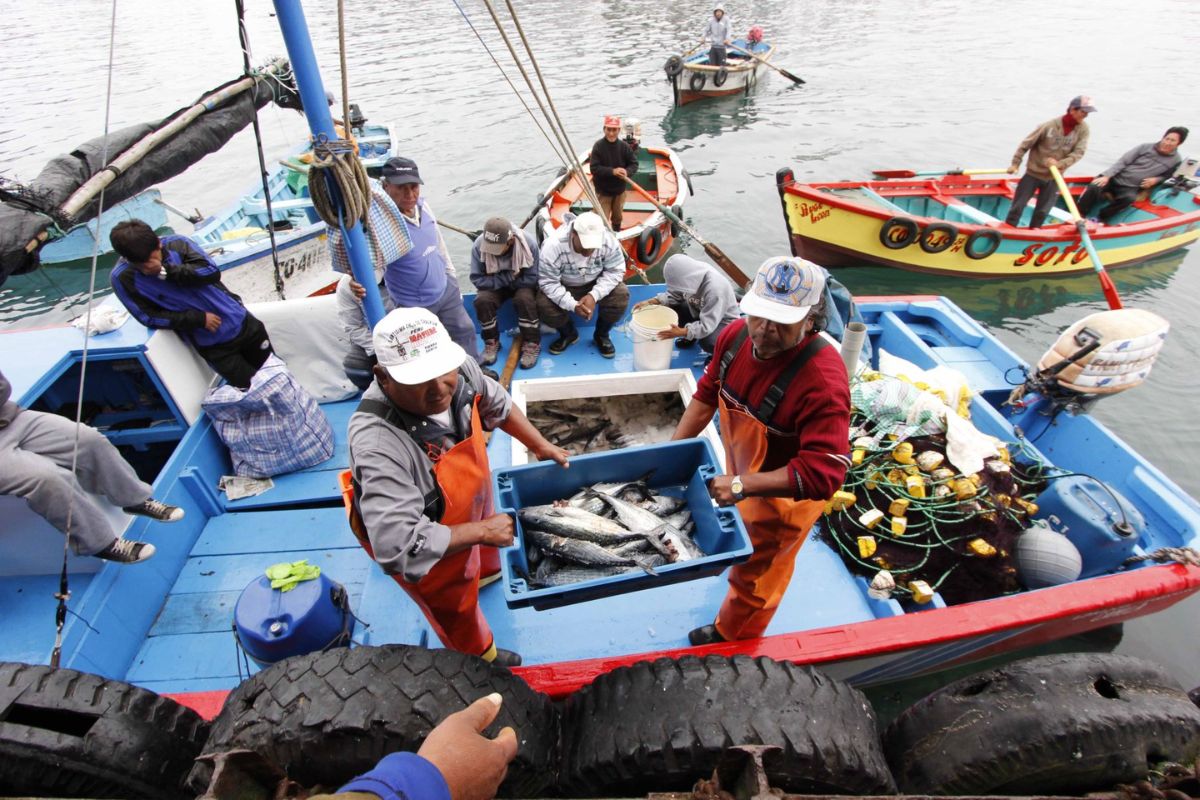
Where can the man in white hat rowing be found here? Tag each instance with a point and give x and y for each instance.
(422, 484)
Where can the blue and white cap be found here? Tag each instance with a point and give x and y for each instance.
(784, 290)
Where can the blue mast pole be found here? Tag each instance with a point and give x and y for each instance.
(316, 109)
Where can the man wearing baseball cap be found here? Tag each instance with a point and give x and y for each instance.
(784, 404)
(504, 266)
(582, 273)
(1059, 142)
(419, 469)
(611, 162)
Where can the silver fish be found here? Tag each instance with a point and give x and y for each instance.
(679, 519)
(554, 572)
(632, 516)
(577, 551)
(663, 505)
(682, 547)
(575, 523)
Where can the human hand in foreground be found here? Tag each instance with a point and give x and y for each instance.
(651, 302)
(496, 530)
(472, 764)
(673, 332)
(211, 322)
(551, 452)
(719, 489)
(357, 289)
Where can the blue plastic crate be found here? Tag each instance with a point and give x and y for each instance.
(681, 469)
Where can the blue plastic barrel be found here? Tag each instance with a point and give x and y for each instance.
(1106, 529)
(273, 625)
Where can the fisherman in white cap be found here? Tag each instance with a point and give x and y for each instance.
(784, 403)
(422, 484)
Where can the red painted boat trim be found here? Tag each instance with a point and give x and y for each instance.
(1034, 617)
(688, 96)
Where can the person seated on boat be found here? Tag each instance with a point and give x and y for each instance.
(784, 404)
(1142, 168)
(405, 239)
(37, 451)
(172, 283)
(455, 762)
(358, 362)
(611, 162)
(718, 35)
(701, 296)
(1059, 142)
(419, 468)
(582, 272)
(504, 266)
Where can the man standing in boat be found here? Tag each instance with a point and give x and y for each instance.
(403, 232)
(718, 36)
(1141, 169)
(422, 485)
(172, 283)
(612, 161)
(504, 266)
(1060, 142)
(784, 404)
(582, 272)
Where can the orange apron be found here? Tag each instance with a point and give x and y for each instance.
(777, 527)
(448, 595)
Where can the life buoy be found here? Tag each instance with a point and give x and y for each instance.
(648, 245)
(673, 67)
(678, 212)
(721, 76)
(697, 81)
(932, 242)
(993, 242)
(898, 233)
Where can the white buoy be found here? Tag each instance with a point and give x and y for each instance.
(1046, 557)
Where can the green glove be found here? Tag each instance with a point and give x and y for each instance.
(286, 576)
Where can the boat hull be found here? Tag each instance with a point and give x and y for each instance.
(698, 79)
(826, 226)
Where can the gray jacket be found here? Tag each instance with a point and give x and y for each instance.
(699, 285)
(395, 476)
(8, 409)
(1143, 161)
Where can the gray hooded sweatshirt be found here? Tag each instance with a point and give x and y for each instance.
(704, 289)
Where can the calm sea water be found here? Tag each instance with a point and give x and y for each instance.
(922, 84)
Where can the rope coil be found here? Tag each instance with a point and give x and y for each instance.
(336, 165)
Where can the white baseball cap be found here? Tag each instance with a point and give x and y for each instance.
(590, 228)
(784, 290)
(414, 347)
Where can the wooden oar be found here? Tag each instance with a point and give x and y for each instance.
(765, 63)
(1106, 284)
(541, 201)
(723, 261)
(472, 235)
(908, 173)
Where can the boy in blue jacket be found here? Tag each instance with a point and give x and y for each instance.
(504, 265)
(172, 283)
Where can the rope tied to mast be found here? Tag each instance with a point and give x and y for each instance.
(336, 167)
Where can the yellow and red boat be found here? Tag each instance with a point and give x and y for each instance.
(646, 233)
(953, 224)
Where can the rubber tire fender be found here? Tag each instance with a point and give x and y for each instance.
(678, 212)
(649, 245)
(326, 717)
(696, 83)
(65, 733)
(673, 67)
(909, 225)
(990, 234)
(1060, 724)
(721, 76)
(951, 236)
(659, 725)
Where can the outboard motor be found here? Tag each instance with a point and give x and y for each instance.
(633, 132)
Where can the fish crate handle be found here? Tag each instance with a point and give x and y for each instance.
(707, 472)
(504, 492)
(727, 518)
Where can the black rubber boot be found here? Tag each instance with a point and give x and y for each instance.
(603, 342)
(705, 634)
(566, 337)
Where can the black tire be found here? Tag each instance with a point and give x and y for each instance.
(678, 212)
(1061, 724)
(65, 733)
(721, 76)
(660, 725)
(673, 67)
(948, 237)
(697, 81)
(649, 245)
(971, 247)
(326, 717)
(898, 233)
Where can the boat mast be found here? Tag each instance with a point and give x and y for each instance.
(316, 110)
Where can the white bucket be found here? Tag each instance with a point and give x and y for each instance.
(650, 352)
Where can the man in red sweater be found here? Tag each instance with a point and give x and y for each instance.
(784, 404)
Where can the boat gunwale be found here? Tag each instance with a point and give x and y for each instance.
(742, 65)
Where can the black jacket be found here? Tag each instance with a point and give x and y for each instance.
(607, 155)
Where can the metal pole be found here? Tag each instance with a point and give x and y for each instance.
(316, 110)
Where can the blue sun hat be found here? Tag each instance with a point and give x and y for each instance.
(784, 290)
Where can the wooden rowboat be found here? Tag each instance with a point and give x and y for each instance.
(953, 225)
(692, 78)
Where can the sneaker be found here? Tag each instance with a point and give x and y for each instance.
(156, 510)
(125, 551)
(564, 341)
(605, 346)
(506, 658)
(491, 350)
(705, 634)
(529, 354)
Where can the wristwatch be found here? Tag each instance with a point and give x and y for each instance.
(737, 488)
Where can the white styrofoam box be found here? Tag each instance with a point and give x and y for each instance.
(536, 390)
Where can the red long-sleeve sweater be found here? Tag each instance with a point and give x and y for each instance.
(815, 411)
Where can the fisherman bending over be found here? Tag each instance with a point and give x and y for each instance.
(701, 296)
